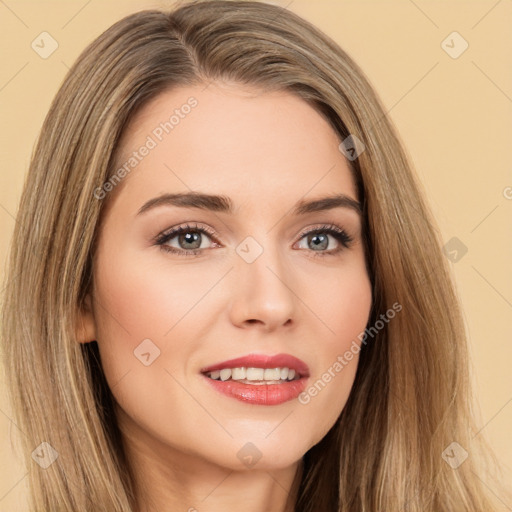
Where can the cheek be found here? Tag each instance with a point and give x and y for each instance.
(344, 309)
(140, 309)
(145, 320)
(139, 298)
(344, 306)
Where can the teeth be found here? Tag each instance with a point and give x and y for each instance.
(238, 373)
(270, 375)
(255, 374)
(225, 374)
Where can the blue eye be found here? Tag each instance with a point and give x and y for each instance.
(319, 237)
(190, 237)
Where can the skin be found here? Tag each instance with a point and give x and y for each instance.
(266, 151)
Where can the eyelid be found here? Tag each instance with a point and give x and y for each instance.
(325, 228)
(192, 226)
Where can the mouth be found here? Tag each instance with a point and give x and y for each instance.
(259, 379)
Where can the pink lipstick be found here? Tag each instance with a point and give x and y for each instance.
(259, 379)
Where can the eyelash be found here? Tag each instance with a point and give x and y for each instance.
(339, 234)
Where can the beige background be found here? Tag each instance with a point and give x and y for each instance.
(454, 116)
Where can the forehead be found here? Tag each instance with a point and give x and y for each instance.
(236, 141)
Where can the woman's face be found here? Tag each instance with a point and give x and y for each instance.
(241, 282)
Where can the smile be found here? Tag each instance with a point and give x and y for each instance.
(259, 379)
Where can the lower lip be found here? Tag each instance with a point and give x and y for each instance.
(260, 394)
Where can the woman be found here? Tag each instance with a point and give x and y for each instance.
(305, 353)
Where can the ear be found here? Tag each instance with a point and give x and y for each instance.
(86, 328)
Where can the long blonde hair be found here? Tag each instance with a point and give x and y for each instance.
(411, 397)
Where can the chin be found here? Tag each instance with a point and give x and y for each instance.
(264, 452)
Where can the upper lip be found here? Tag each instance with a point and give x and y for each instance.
(263, 361)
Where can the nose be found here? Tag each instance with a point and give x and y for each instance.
(262, 292)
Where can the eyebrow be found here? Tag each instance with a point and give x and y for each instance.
(223, 204)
